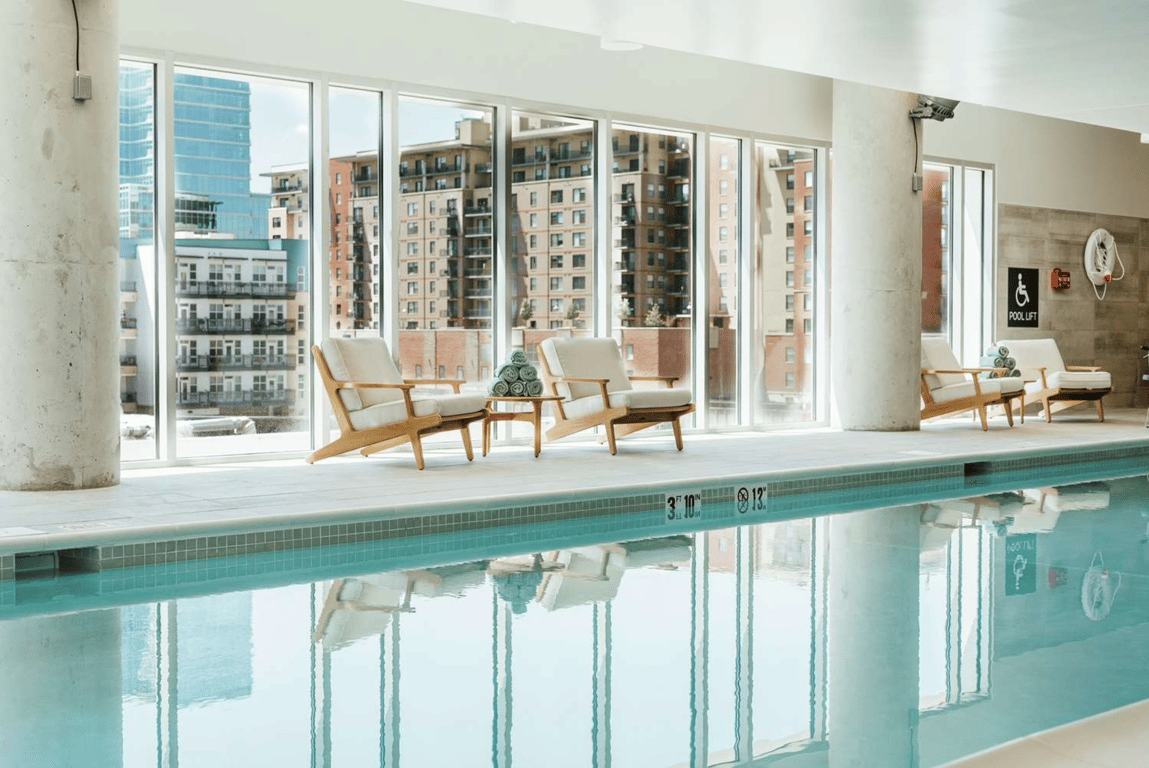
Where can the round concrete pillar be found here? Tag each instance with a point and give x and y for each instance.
(876, 264)
(59, 233)
(872, 613)
(61, 683)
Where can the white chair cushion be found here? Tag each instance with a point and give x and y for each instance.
(1007, 386)
(937, 355)
(1034, 353)
(1079, 380)
(589, 358)
(385, 414)
(952, 392)
(391, 413)
(363, 361)
(457, 405)
(635, 398)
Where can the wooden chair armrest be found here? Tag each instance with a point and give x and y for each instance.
(406, 388)
(1083, 367)
(601, 384)
(456, 383)
(669, 380)
(973, 372)
(362, 385)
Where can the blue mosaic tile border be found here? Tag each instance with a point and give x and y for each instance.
(633, 515)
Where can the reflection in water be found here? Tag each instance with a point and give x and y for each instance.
(896, 637)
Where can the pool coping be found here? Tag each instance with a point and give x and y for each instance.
(103, 547)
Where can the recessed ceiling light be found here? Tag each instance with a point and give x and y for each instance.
(614, 44)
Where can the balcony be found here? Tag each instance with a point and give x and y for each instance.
(282, 189)
(473, 273)
(477, 253)
(443, 169)
(678, 222)
(240, 290)
(248, 399)
(678, 265)
(364, 177)
(626, 265)
(624, 242)
(482, 167)
(244, 325)
(679, 198)
(128, 365)
(128, 323)
(679, 169)
(477, 210)
(236, 363)
(480, 231)
(626, 219)
(624, 197)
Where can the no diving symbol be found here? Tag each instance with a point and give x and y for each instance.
(743, 500)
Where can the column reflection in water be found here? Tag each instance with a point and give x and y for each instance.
(873, 638)
(61, 683)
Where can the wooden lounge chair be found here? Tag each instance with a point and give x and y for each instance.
(589, 374)
(948, 388)
(1058, 386)
(374, 407)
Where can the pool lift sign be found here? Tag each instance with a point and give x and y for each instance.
(1021, 564)
(1022, 287)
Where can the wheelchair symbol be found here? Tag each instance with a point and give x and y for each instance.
(1020, 295)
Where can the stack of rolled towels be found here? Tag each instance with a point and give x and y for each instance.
(998, 357)
(518, 378)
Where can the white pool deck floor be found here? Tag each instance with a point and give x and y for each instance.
(169, 502)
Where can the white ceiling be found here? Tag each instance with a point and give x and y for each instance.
(1083, 60)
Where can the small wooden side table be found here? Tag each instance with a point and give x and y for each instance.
(533, 416)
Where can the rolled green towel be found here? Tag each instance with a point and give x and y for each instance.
(987, 361)
(534, 388)
(1010, 363)
(518, 389)
(518, 357)
(528, 373)
(508, 373)
(999, 362)
(499, 388)
(998, 351)
(1014, 373)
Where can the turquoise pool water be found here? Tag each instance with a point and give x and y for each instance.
(902, 636)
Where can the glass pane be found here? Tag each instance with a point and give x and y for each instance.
(652, 251)
(446, 240)
(936, 249)
(137, 262)
(551, 258)
(354, 260)
(723, 261)
(242, 154)
(784, 266)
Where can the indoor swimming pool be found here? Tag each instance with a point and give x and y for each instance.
(922, 632)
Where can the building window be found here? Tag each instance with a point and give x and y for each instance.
(789, 354)
(412, 209)
(556, 219)
(723, 186)
(578, 195)
(723, 234)
(789, 278)
(556, 196)
(534, 220)
(412, 268)
(556, 240)
(789, 379)
(556, 283)
(629, 351)
(413, 288)
(578, 261)
(789, 325)
(789, 181)
(578, 240)
(723, 257)
(578, 283)
(556, 262)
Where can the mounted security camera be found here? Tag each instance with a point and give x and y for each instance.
(933, 108)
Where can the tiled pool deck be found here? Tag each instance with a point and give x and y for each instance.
(195, 513)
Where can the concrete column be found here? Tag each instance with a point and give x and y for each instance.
(61, 683)
(873, 638)
(876, 260)
(59, 234)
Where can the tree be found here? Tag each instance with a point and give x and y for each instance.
(572, 313)
(526, 311)
(655, 318)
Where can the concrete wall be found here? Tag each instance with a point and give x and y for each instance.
(1107, 333)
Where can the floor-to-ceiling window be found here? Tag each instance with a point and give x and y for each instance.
(242, 249)
(784, 280)
(723, 262)
(446, 240)
(653, 250)
(138, 300)
(354, 293)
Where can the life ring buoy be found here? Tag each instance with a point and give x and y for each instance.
(1100, 258)
(1098, 590)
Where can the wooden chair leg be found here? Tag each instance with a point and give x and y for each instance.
(417, 447)
(677, 433)
(1100, 410)
(1008, 408)
(1047, 409)
(984, 424)
(610, 438)
(466, 432)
